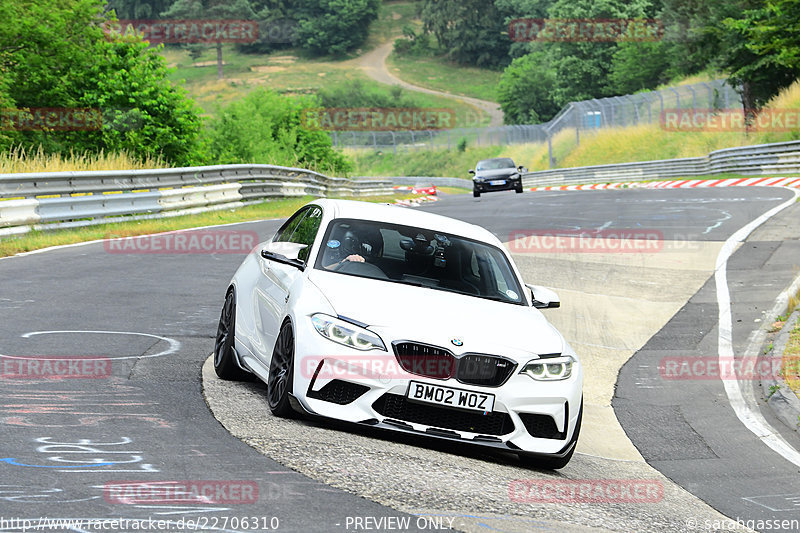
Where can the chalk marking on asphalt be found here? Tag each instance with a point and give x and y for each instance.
(750, 417)
(174, 345)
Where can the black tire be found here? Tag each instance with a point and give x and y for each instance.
(224, 358)
(476, 193)
(281, 374)
(555, 463)
(519, 189)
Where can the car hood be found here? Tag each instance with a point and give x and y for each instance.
(498, 173)
(404, 312)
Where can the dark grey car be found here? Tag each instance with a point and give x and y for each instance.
(498, 174)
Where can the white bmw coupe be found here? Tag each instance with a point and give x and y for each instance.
(403, 320)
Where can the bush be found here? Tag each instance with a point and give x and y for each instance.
(414, 44)
(265, 127)
(356, 94)
(334, 26)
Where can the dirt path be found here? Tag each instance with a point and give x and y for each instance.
(373, 63)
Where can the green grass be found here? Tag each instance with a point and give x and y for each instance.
(285, 73)
(443, 163)
(439, 74)
(791, 359)
(281, 208)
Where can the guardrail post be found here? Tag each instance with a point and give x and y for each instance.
(394, 142)
(710, 95)
(550, 159)
(677, 98)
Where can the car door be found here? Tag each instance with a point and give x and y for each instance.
(277, 279)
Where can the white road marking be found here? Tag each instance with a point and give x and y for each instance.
(174, 345)
(748, 414)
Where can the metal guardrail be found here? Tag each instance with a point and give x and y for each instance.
(85, 198)
(463, 183)
(747, 160)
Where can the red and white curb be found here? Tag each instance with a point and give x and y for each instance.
(416, 202)
(678, 184)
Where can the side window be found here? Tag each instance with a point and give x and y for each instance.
(306, 231)
(285, 233)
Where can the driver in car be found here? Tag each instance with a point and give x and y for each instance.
(350, 244)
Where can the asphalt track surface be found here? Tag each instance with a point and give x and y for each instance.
(65, 443)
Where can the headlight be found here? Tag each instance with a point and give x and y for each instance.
(549, 369)
(346, 333)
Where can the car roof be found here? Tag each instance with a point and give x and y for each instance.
(404, 215)
(496, 159)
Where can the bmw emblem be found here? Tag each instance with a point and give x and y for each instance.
(457, 342)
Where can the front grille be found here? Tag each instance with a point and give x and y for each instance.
(398, 407)
(486, 370)
(424, 360)
(339, 392)
(543, 426)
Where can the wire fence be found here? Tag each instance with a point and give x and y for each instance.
(585, 116)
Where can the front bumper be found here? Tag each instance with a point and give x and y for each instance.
(534, 417)
(510, 184)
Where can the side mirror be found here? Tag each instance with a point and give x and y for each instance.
(287, 253)
(543, 298)
(522, 169)
(472, 172)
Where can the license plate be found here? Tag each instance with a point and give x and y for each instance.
(497, 182)
(450, 397)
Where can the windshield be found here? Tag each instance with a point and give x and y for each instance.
(419, 257)
(495, 164)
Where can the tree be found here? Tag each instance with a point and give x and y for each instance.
(774, 31)
(143, 113)
(639, 66)
(139, 9)
(334, 26)
(526, 90)
(472, 32)
(762, 54)
(583, 68)
(54, 54)
(210, 9)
